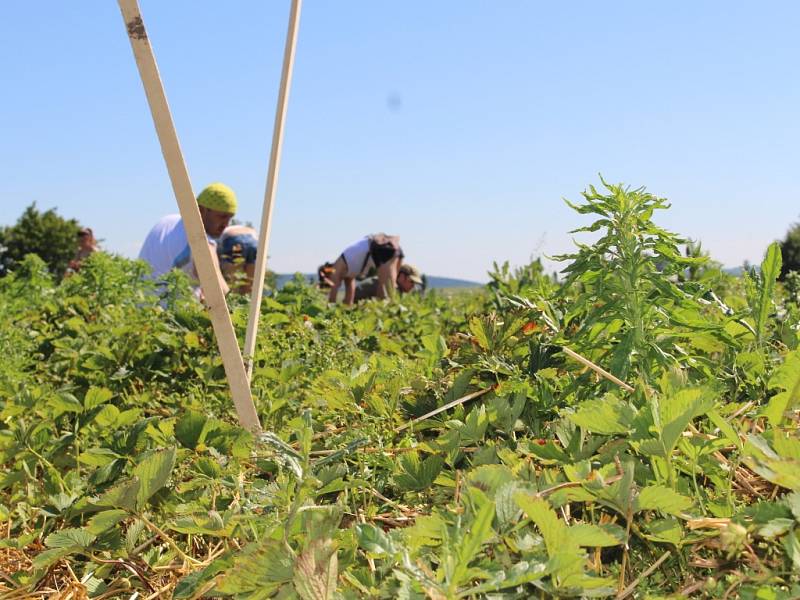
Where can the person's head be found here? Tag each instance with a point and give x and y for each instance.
(324, 274)
(217, 204)
(407, 277)
(86, 238)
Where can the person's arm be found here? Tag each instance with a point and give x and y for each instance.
(349, 291)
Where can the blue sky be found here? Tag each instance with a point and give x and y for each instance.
(458, 125)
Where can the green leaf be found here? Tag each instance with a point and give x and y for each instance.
(478, 327)
(607, 415)
(189, 585)
(418, 475)
(107, 416)
(189, 428)
(668, 530)
(725, 428)
(122, 495)
(65, 402)
(490, 478)
(210, 523)
(785, 378)
(791, 543)
(48, 557)
(96, 396)
(658, 497)
(553, 530)
(585, 534)
(478, 532)
(68, 538)
(770, 270)
(776, 528)
(153, 473)
(263, 569)
(105, 520)
(374, 540)
(316, 571)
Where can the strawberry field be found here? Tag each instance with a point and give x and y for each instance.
(125, 474)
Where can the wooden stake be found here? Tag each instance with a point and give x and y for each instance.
(441, 409)
(272, 184)
(599, 370)
(195, 232)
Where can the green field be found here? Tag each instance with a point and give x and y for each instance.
(125, 474)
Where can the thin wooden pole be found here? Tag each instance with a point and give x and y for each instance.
(599, 370)
(272, 185)
(190, 213)
(443, 408)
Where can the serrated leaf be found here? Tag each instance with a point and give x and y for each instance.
(374, 540)
(189, 585)
(787, 379)
(506, 510)
(553, 530)
(770, 270)
(96, 396)
(608, 415)
(668, 530)
(189, 428)
(776, 528)
(316, 571)
(479, 329)
(122, 495)
(262, 569)
(107, 416)
(478, 532)
(48, 557)
(211, 524)
(489, 478)
(153, 472)
(416, 475)
(68, 538)
(65, 402)
(105, 520)
(658, 497)
(586, 534)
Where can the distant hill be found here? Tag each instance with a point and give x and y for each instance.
(434, 282)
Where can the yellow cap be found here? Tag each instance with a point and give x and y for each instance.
(218, 196)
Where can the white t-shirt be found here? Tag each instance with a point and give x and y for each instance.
(166, 247)
(358, 258)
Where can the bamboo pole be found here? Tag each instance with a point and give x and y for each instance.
(272, 184)
(195, 232)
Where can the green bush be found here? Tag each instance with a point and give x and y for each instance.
(46, 234)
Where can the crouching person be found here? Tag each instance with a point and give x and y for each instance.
(380, 252)
(237, 248)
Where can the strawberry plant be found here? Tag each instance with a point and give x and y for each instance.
(444, 446)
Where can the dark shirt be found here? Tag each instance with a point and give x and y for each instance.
(367, 288)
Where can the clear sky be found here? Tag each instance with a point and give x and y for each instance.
(457, 124)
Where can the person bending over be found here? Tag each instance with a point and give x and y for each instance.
(166, 247)
(379, 251)
(236, 248)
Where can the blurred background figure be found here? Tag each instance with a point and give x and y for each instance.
(408, 277)
(378, 251)
(87, 245)
(237, 248)
(324, 274)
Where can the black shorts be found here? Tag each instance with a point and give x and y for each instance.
(383, 253)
